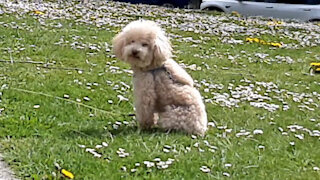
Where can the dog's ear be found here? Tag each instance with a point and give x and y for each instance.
(162, 48)
(118, 44)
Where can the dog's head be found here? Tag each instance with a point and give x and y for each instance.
(142, 44)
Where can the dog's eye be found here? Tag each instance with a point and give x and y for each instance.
(145, 44)
(132, 41)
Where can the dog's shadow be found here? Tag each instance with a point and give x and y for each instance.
(134, 129)
(124, 130)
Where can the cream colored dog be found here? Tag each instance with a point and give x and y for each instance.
(163, 91)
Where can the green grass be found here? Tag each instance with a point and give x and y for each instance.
(33, 139)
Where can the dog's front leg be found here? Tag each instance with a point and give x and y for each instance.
(145, 98)
(145, 114)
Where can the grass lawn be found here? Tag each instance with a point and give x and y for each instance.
(65, 99)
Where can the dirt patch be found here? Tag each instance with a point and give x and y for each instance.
(5, 172)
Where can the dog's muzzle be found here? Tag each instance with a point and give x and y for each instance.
(135, 53)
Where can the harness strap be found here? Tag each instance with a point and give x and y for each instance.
(162, 68)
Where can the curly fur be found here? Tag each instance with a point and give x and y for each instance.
(164, 92)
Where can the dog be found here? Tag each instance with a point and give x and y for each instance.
(164, 94)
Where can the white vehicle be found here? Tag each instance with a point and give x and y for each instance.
(306, 10)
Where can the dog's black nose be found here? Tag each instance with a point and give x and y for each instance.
(135, 52)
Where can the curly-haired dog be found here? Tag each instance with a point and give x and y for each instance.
(163, 91)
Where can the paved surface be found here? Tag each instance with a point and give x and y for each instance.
(5, 172)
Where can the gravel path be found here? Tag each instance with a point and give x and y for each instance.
(5, 172)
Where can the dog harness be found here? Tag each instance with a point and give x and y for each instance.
(161, 68)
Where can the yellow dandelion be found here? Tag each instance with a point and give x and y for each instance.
(315, 68)
(249, 40)
(263, 42)
(314, 64)
(236, 13)
(256, 40)
(279, 22)
(276, 45)
(270, 23)
(38, 12)
(274, 23)
(67, 174)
